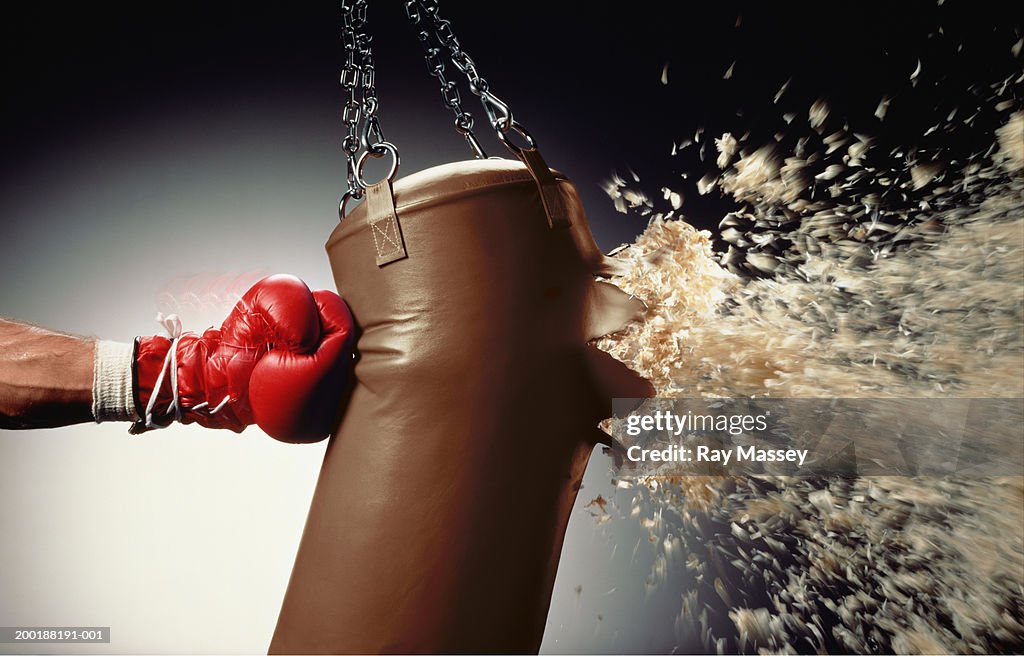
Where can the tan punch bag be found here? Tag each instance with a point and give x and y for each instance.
(438, 519)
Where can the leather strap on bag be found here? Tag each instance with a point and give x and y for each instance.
(382, 218)
(547, 185)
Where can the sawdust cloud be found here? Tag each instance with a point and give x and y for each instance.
(848, 271)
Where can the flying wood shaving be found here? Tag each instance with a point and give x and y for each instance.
(818, 113)
(781, 91)
(600, 503)
(726, 146)
(1011, 144)
(883, 108)
(674, 198)
(706, 184)
(922, 174)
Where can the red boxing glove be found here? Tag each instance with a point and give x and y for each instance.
(280, 360)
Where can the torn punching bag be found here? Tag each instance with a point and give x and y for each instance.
(438, 519)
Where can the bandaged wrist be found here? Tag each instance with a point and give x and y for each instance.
(112, 394)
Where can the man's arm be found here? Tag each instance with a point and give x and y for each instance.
(280, 360)
(45, 377)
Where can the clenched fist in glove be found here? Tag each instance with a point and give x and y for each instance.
(280, 360)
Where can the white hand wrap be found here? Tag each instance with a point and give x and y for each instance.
(112, 394)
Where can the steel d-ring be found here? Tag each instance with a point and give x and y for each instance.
(521, 131)
(378, 150)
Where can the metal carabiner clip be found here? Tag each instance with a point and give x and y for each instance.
(498, 111)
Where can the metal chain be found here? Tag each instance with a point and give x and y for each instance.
(439, 34)
(361, 104)
(372, 133)
(449, 89)
(354, 18)
(363, 134)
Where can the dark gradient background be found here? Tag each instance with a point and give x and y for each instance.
(147, 148)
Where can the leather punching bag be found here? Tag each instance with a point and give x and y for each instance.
(438, 519)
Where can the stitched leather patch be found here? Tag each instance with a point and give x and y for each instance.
(383, 221)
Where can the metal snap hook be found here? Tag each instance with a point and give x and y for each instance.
(497, 110)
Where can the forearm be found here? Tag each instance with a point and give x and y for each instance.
(46, 378)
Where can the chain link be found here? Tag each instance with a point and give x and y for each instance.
(353, 21)
(361, 103)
